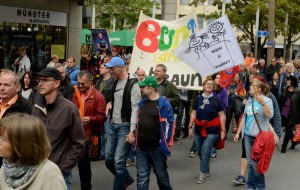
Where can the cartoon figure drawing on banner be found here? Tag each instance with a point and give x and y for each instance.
(211, 42)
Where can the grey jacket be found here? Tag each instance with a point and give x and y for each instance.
(262, 119)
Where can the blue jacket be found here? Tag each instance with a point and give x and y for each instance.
(166, 124)
(73, 74)
(276, 119)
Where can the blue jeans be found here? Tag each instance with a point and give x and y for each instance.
(131, 153)
(255, 180)
(204, 146)
(102, 147)
(144, 160)
(214, 151)
(68, 180)
(116, 153)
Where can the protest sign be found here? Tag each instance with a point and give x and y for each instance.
(154, 44)
(212, 49)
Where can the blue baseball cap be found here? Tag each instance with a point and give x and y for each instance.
(115, 61)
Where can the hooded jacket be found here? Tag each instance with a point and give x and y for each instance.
(166, 124)
(73, 74)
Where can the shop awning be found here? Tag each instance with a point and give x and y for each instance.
(122, 38)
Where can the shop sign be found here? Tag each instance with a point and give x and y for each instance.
(32, 16)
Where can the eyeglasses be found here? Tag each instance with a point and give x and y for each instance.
(209, 84)
(43, 81)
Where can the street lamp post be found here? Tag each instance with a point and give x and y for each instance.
(271, 28)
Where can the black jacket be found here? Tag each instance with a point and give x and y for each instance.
(20, 106)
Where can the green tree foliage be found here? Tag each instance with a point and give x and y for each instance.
(126, 12)
(242, 14)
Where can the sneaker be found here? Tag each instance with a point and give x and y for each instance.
(201, 179)
(240, 180)
(128, 183)
(213, 156)
(130, 163)
(192, 154)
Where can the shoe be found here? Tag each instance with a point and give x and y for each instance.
(128, 183)
(176, 138)
(213, 156)
(192, 154)
(201, 179)
(283, 149)
(130, 163)
(293, 146)
(186, 135)
(240, 180)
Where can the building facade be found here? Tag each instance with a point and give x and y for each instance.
(43, 27)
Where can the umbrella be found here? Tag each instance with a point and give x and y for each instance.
(122, 38)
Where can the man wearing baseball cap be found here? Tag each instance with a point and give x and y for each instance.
(122, 122)
(155, 124)
(63, 123)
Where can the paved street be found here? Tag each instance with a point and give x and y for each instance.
(283, 173)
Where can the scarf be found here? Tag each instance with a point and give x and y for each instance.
(206, 99)
(16, 175)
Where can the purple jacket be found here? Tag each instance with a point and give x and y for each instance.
(222, 95)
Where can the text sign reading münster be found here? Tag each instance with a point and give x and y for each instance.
(32, 16)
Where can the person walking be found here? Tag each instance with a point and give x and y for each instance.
(63, 123)
(209, 119)
(123, 107)
(93, 122)
(153, 135)
(264, 111)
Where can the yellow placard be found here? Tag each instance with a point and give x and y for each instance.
(59, 50)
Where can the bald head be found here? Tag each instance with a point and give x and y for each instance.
(141, 74)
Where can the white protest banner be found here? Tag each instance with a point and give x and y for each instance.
(212, 49)
(154, 44)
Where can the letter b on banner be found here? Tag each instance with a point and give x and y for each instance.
(147, 40)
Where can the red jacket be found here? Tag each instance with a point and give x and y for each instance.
(262, 150)
(94, 107)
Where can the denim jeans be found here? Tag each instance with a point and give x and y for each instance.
(144, 160)
(84, 168)
(204, 146)
(116, 153)
(68, 180)
(193, 148)
(255, 180)
(131, 153)
(102, 147)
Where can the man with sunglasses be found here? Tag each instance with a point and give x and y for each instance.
(63, 123)
(122, 122)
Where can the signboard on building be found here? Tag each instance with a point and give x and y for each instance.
(32, 16)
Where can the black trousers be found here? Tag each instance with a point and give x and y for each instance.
(289, 134)
(84, 168)
(229, 113)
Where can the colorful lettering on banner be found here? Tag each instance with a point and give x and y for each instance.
(155, 42)
(162, 45)
(143, 35)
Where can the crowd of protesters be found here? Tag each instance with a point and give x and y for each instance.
(115, 114)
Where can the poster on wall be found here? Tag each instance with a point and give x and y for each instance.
(212, 49)
(101, 41)
(154, 44)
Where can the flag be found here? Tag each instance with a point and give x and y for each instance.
(227, 76)
(212, 49)
(241, 89)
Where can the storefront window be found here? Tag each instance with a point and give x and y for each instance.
(40, 41)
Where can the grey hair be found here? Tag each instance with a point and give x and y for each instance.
(163, 67)
(86, 73)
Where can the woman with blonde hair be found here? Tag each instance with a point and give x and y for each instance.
(262, 106)
(25, 148)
